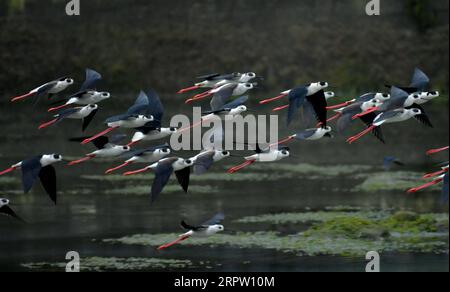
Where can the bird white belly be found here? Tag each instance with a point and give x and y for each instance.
(130, 124)
(155, 135)
(108, 152)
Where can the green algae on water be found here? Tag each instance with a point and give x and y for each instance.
(98, 264)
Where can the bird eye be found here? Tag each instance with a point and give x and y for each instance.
(57, 156)
(284, 152)
(385, 95)
(4, 201)
(432, 93)
(126, 148)
(173, 129)
(165, 150)
(248, 85)
(252, 74)
(68, 80)
(416, 96)
(323, 83)
(416, 111)
(105, 94)
(225, 153)
(188, 161)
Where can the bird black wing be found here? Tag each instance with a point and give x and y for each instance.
(221, 97)
(183, 177)
(190, 227)
(140, 106)
(296, 99)
(208, 77)
(48, 181)
(162, 175)
(217, 219)
(87, 120)
(204, 163)
(156, 108)
(30, 172)
(423, 117)
(99, 143)
(319, 103)
(237, 102)
(420, 80)
(397, 100)
(92, 78)
(368, 121)
(6, 210)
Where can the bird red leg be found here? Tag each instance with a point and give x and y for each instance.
(280, 108)
(111, 170)
(136, 171)
(434, 174)
(89, 140)
(17, 98)
(48, 124)
(184, 90)
(336, 116)
(284, 141)
(199, 96)
(241, 166)
(338, 106)
(79, 161)
(132, 143)
(272, 99)
(434, 151)
(371, 110)
(183, 238)
(427, 185)
(54, 109)
(11, 169)
(360, 135)
(192, 126)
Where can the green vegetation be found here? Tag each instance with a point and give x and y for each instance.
(343, 234)
(100, 264)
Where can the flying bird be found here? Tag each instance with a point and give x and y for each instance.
(163, 171)
(153, 130)
(5, 209)
(38, 167)
(136, 116)
(345, 116)
(312, 93)
(87, 93)
(147, 155)
(269, 154)
(86, 114)
(222, 94)
(207, 229)
(49, 88)
(310, 135)
(205, 159)
(107, 148)
(216, 80)
(393, 116)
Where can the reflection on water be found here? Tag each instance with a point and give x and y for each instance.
(92, 209)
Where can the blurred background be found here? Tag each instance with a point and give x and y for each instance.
(137, 44)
